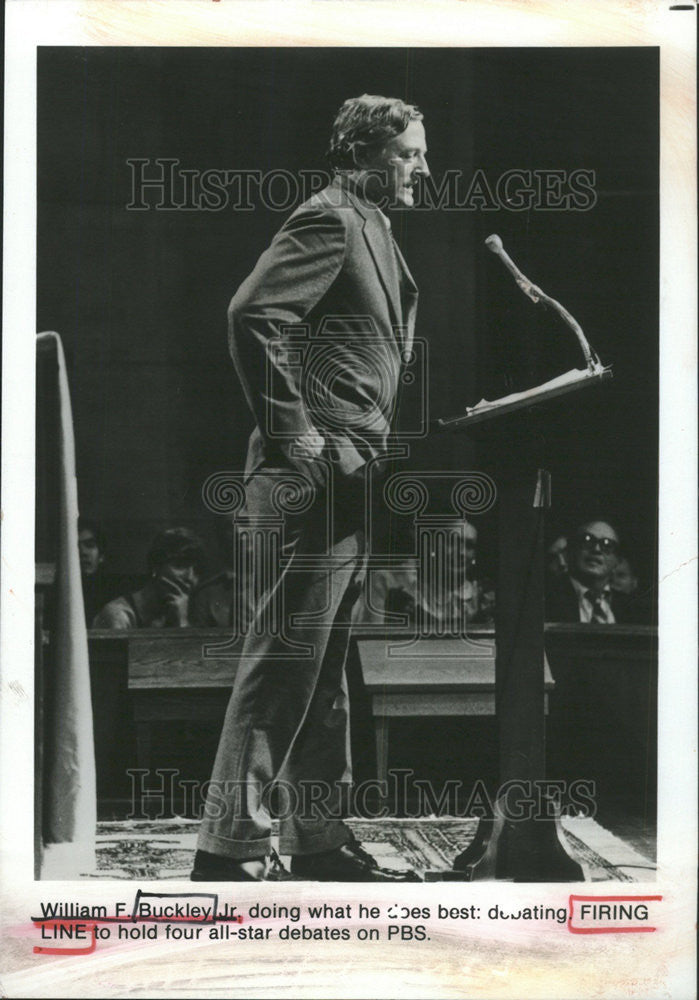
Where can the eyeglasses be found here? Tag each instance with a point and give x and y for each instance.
(590, 542)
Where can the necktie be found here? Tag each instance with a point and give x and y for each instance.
(599, 615)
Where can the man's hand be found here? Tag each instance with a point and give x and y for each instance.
(308, 445)
(176, 595)
(303, 451)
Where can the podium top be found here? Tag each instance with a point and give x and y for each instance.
(571, 381)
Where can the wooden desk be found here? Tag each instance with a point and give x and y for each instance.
(603, 723)
(175, 658)
(604, 700)
(166, 677)
(432, 677)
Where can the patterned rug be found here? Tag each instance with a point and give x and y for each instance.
(164, 849)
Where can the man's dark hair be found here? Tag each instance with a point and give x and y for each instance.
(176, 545)
(363, 125)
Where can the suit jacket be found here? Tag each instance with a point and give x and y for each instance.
(562, 605)
(320, 328)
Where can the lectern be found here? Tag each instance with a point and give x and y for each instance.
(522, 841)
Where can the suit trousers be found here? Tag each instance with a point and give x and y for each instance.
(287, 722)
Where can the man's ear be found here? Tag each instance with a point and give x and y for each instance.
(364, 157)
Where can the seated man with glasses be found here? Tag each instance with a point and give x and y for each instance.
(586, 594)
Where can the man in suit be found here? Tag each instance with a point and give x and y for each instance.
(318, 333)
(587, 594)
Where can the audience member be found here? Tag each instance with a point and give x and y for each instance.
(586, 594)
(176, 560)
(441, 597)
(224, 599)
(624, 578)
(557, 558)
(98, 587)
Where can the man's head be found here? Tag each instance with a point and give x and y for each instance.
(177, 556)
(380, 141)
(557, 557)
(594, 553)
(90, 547)
(624, 580)
(462, 540)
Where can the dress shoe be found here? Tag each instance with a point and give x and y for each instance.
(347, 863)
(215, 868)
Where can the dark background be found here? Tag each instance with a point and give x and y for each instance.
(140, 298)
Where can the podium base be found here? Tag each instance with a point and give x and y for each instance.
(506, 850)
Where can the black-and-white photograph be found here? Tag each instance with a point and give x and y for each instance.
(347, 464)
(348, 572)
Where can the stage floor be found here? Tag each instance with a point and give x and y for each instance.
(164, 849)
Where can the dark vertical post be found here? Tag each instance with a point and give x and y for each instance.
(519, 628)
(523, 842)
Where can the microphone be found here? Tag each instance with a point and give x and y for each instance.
(494, 244)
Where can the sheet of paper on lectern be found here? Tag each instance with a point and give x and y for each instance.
(559, 382)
